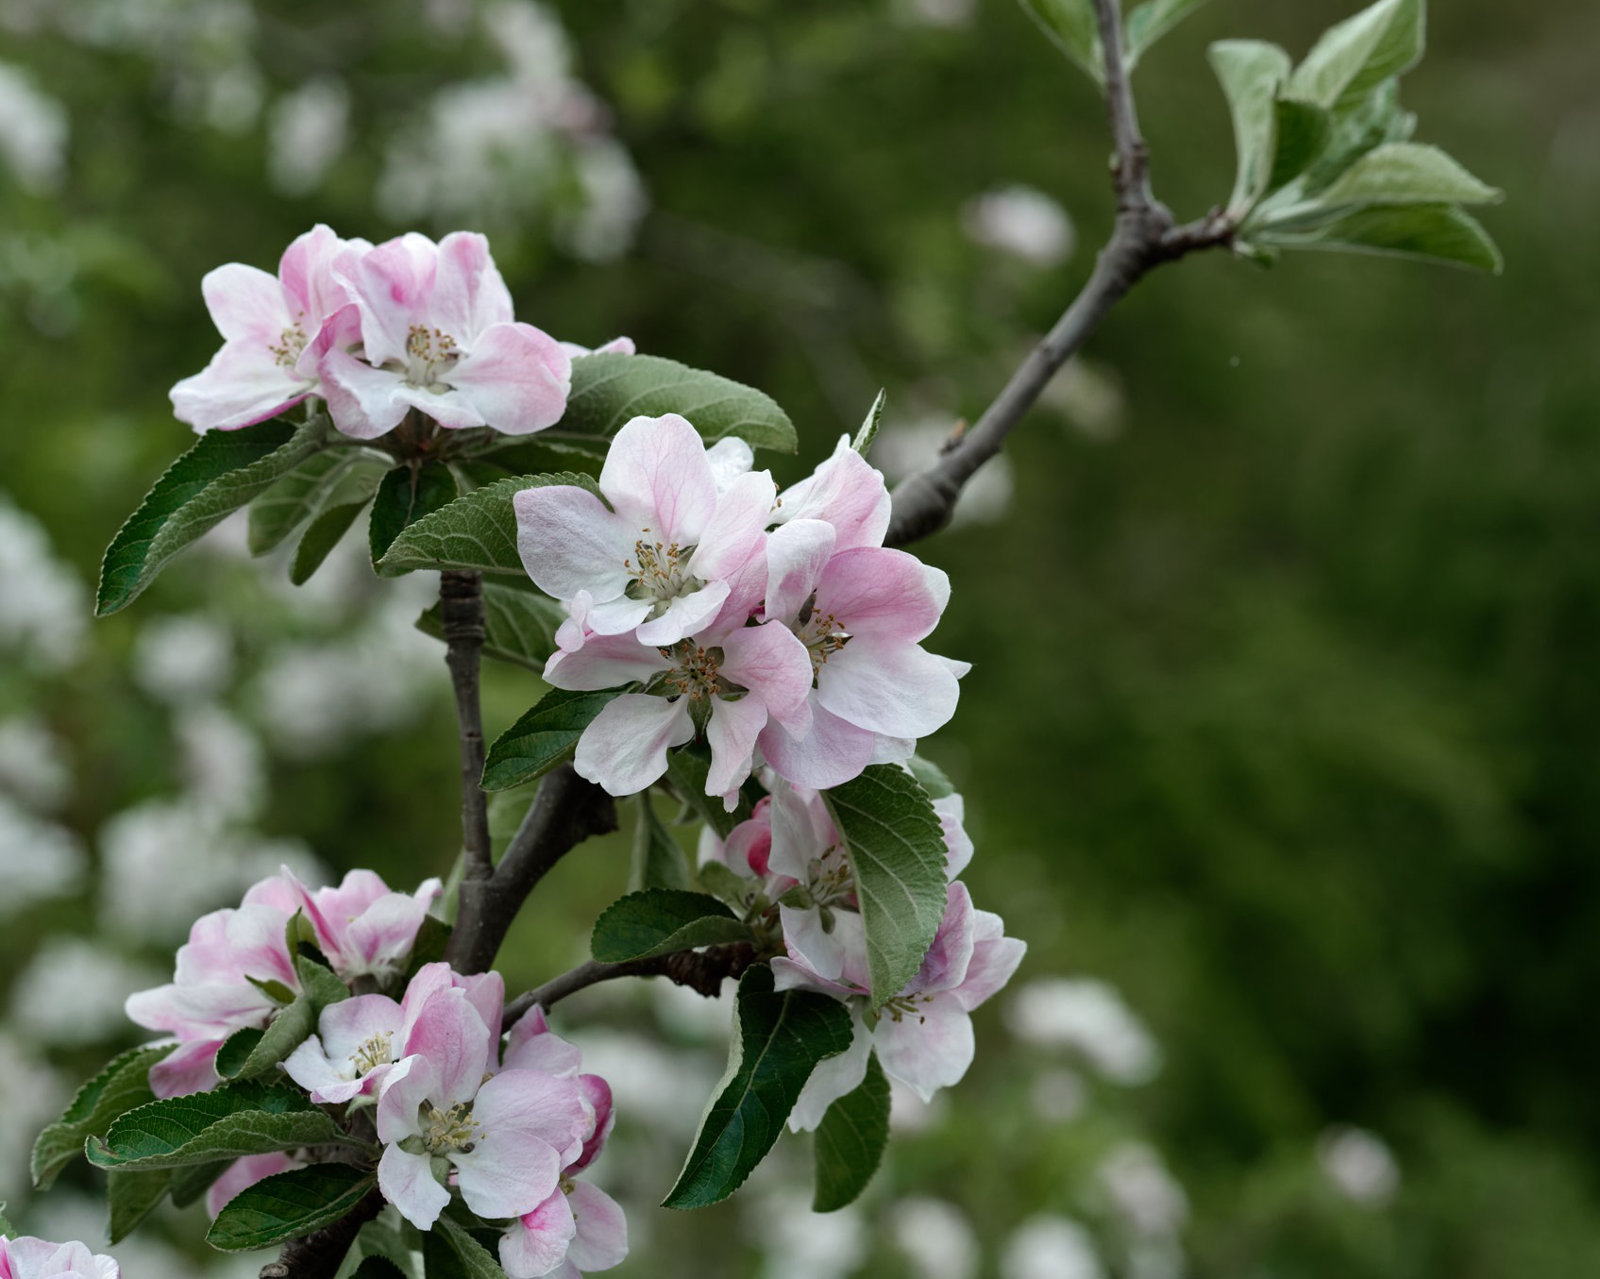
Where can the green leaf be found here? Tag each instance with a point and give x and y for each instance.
(897, 852)
(687, 769)
(433, 938)
(234, 1120)
(477, 532)
(250, 1054)
(1251, 73)
(122, 1085)
(406, 495)
(1148, 22)
(850, 1141)
(236, 1050)
(609, 389)
(222, 472)
(319, 539)
(380, 1241)
(331, 478)
(288, 1205)
(193, 1180)
(1407, 173)
(7, 1230)
(519, 626)
(1437, 232)
(658, 921)
(778, 1039)
(373, 1267)
(543, 737)
(931, 777)
(1355, 129)
(133, 1196)
(869, 426)
(1303, 129)
(450, 1252)
(1361, 52)
(725, 885)
(658, 860)
(1071, 26)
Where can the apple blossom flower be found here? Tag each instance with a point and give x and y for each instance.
(847, 492)
(28, 1258)
(362, 927)
(504, 1138)
(269, 325)
(617, 346)
(734, 678)
(243, 1173)
(654, 557)
(860, 612)
(923, 1035)
(436, 334)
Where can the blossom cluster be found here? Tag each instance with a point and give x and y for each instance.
(376, 331)
(28, 1258)
(791, 854)
(779, 628)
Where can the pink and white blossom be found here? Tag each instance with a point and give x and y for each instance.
(433, 330)
(845, 491)
(655, 557)
(269, 325)
(26, 1257)
(363, 927)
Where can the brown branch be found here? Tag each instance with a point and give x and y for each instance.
(1145, 235)
(461, 616)
(702, 971)
(319, 1254)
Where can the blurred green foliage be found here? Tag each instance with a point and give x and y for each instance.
(1284, 690)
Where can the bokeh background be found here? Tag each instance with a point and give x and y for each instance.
(1280, 742)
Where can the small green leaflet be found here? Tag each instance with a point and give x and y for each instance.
(687, 769)
(1251, 73)
(121, 1086)
(319, 539)
(519, 626)
(778, 1039)
(543, 737)
(334, 477)
(609, 389)
(222, 472)
(897, 853)
(7, 1230)
(1071, 26)
(931, 777)
(476, 533)
(850, 1141)
(288, 1205)
(658, 921)
(1407, 173)
(1353, 57)
(658, 860)
(132, 1196)
(407, 494)
(869, 427)
(1148, 22)
(250, 1054)
(1303, 129)
(450, 1252)
(1438, 232)
(376, 1267)
(234, 1120)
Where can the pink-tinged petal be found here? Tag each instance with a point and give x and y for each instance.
(735, 531)
(620, 616)
(536, 1242)
(306, 269)
(797, 552)
(246, 304)
(363, 402)
(381, 936)
(952, 810)
(516, 377)
(773, 664)
(189, 1068)
(486, 992)
(830, 754)
(527, 1105)
(597, 1097)
(241, 386)
(732, 733)
(625, 748)
(313, 1069)
(927, 1048)
(570, 543)
(450, 408)
(604, 661)
(392, 284)
(847, 492)
(730, 457)
(881, 593)
(617, 346)
(469, 295)
(683, 616)
(802, 831)
(745, 591)
(892, 750)
(347, 1026)
(241, 1174)
(787, 974)
(656, 476)
(602, 1240)
(821, 950)
(888, 686)
(831, 1079)
(994, 959)
(410, 1083)
(408, 1183)
(748, 849)
(533, 1046)
(452, 1037)
(945, 965)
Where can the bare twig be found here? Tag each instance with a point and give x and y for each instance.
(1145, 236)
(703, 971)
(461, 616)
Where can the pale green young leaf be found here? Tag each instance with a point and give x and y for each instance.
(1437, 232)
(7, 1230)
(1251, 73)
(658, 860)
(1148, 22)
(1408, 173)
(850, 1141)
(1353, 57)
(1071, 27)
(870, 424)
(544, 737)
(288, 1205)
(476, 533)
(931, 777)
(658, 921)
(778, 1039)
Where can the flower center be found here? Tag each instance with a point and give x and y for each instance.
(430, 355)
(903, 1006)
(697, 674)
(291, 342)
(822, 634)
(449, 1131)
(374, 1052)
(659, 572)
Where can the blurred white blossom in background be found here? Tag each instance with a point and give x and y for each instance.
(1359, 1164)
(1090, 1018)
(71, 992)
(1021, 221)
(307, 130)
(44, 608)
(936, 1238)
(1051, 1248)
(33, 132)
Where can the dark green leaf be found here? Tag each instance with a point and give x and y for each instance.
(288, 1205)
(250, 1054)
(1378, 43)
(1251, 73)
(1151, 20)
(658, 860)
(519, 626)
(318, 541)
(608, 390)
(1407, 173)
(477, 532)
(725, 885)
(236, 1050)
(1438, 232)
(658, 921)
(897, 852)
(432, 938)
(122, 1085)
(234, 1120)
(687, 769)
(133, 1196)
(193, 1180)
(1303, 130)
(450, 1252)
(380, 1241)
(407, 494)
(778, 1039)
(334, 477)
(1071, 26)
(222, 472)
(542, 738)
(850, 1141)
